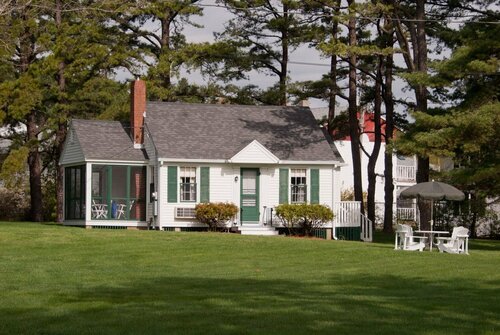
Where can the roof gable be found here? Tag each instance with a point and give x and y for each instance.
(256, 153)
(105, 140)
(72, 150)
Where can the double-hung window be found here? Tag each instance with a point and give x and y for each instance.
(188, 183)
(298, 182)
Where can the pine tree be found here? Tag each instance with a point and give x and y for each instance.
(266, 31)
(64, 51)
(21, 97)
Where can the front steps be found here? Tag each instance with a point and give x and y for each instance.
(257, 230)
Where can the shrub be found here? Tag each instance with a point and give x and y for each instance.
(14, 204)
(306, 216)
(290, 215)
(315, 216)
(215, 214)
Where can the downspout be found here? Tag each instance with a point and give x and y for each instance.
(333, 202)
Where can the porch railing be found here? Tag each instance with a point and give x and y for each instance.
(347, 214)
(366, 229)
(405, 173)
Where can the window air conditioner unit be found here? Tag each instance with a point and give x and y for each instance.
(184, 213)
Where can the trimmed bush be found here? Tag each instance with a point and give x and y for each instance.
(305, 216)
(215, 214)
(290, 215)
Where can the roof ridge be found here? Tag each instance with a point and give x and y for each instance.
(178, 103)
(98, 120)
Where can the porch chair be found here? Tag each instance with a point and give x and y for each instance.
(405, 240)
(458, 243)
(99, 210)
(120, 210)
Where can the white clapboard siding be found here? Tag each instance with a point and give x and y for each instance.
(269, 187)
(325, 186)
(254, 153)
(221, 183)
(165, 210)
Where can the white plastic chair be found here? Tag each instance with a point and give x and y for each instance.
(120, 209)
(405, 240)
(99, 211)
(458, 243)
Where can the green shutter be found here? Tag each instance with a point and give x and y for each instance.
(172, 184)
(204, 184)
(283, 186)
(314, 186)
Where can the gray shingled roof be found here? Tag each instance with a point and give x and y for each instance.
(106, 140)
(202, 131)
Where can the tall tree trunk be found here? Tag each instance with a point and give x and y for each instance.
(353, 109)
(26, 55)
(373, 157)
(60, 138)
(389, 134)
(388, 32)
(421, 99)
(284, 58)
(61, 127)
(165, 79)
(35, 168)
(332, 99)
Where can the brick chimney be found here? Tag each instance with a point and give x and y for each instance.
(137, 111)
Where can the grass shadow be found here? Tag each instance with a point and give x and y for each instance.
(179, 305)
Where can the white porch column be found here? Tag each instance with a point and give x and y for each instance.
(88, 193)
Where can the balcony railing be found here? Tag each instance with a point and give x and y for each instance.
(405, 173)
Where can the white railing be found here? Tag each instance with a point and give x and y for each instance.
(406, 213)
(347, 214)
(366, 229)
(405, 173)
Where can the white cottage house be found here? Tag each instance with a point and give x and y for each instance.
(152, 171)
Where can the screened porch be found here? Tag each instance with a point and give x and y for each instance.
(117, 192)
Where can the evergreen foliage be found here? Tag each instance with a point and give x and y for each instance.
(61, 59)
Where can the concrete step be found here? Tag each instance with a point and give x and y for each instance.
(258, 230)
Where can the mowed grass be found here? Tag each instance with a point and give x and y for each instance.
(62, 280)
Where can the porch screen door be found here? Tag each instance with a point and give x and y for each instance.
(250, 195)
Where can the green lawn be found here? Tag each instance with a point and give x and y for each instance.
(62, 280)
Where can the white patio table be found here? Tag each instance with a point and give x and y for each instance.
(431, 234)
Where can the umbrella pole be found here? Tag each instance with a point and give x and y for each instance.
(432, 213)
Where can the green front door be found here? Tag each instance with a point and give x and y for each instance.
(249, 195)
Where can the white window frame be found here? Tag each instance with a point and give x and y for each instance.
(300, 175)
(188, 175)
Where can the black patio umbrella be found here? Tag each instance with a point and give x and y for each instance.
(433, 190)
